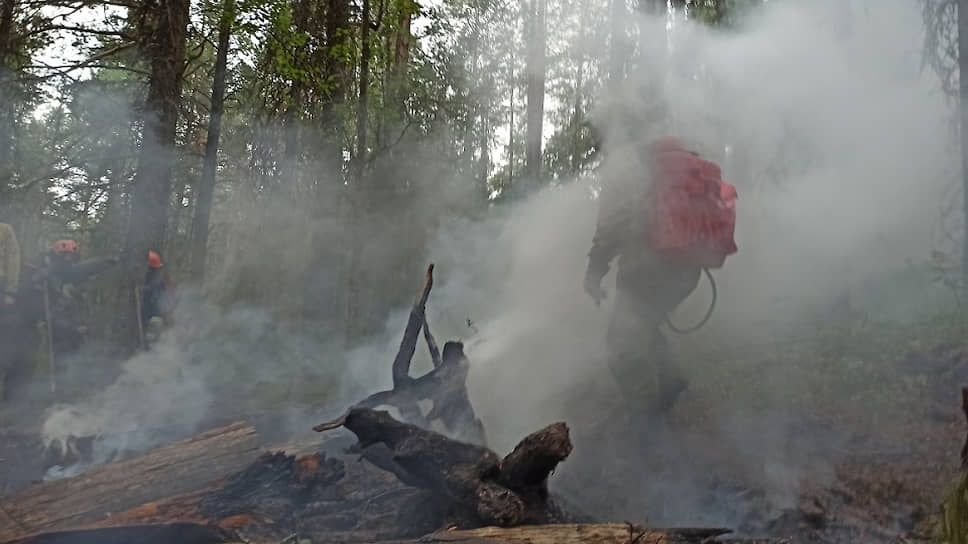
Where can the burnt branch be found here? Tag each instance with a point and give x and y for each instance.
(444, 386)
(408, 345)
(431, 344)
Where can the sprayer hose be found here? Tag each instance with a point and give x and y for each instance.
(709, 312)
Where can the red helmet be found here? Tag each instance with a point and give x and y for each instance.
(154, 260)
(64, 246)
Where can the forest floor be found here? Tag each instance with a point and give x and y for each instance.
(872, 427)
(866, 427)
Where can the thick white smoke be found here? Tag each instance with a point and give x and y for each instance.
(837, 144)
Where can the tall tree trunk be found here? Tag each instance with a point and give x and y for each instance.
(484, 165)
(206, 185)
(536, 88)
(400, 68)
(294, 146)
(330, 248)
(337, 38)
(355, 303)
(8, 103)
(963, 96)
(577, 120)
(165, 48)
(619, 48)
(362, 112)
(511, 123)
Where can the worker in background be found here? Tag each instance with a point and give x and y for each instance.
(158, 295)
(648, 287)
(62, 274)
(10, 337)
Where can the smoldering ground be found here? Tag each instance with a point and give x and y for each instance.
(838, 146)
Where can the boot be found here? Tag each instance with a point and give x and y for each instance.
(671, 381)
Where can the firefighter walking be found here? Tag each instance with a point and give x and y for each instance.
(663, 237)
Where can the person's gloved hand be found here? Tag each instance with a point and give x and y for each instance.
(593, 286)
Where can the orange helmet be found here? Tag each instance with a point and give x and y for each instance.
(154, 260)
(64, 246)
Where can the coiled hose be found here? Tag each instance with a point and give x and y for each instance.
(709, 312)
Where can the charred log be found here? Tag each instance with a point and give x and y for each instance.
(176, 468)
(183, 533)
(484, 490)
(606, 533)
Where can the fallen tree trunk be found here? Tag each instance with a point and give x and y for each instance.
(483, 489)
(274, 497)
(162, 472)
(604, 533)
(426, 481)
(182, 533)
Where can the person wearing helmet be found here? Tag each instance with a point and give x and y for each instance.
(157, 298)
(62, 274)
(10, 337)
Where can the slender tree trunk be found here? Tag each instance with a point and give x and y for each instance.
(400, 68)
(151, 191)
(576, 121)
(330, 248)
(362, 112)
(619, 49)
(7, 10)
(294, 144)
(485, 146)
(206, 185)
(355, 304)
(536, 89)
(9, 101)
(963, 82)
(337, 38)
(511, 124)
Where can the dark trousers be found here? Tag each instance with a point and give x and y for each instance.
(648, 289)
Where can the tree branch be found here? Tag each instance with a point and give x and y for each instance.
(79, 30)
(408, 345)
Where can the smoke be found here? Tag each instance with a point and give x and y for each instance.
(836, 143)
(214, 366)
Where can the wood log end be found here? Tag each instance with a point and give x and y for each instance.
(498, 505)
(536, 457)
(330, 425)
(428, 285)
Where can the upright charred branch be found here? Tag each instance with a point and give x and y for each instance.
(445, 385)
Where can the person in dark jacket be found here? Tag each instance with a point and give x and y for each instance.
(648, 287)
(62, 274)
(158, 298)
